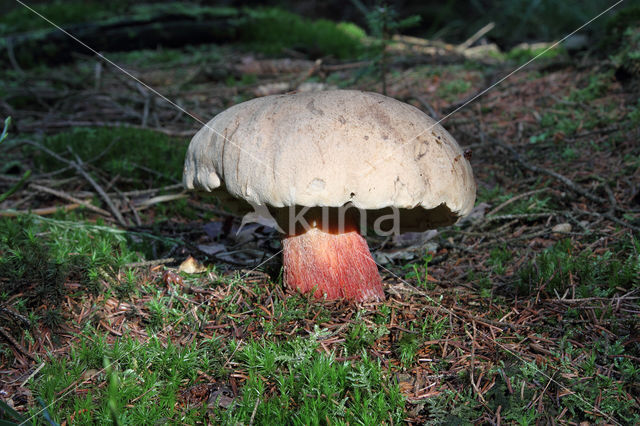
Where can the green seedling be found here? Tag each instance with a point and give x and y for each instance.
(422, 277)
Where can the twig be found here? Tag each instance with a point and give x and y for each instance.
(593, 299)
(65, 196)
(32, 374)
(516, 198)
(9, 338)
(604, 131)
(532, 403)
(308, 73)
(342, 67)
(612, 198)
(12, 56)
(532, 235)
(612, 218)
(78, 166)
(116, 213)
(150, 262)
(161, 199)
(232, 354)
(127, 202)
(155, 172)
(481, 32)
(520, 216)
(635, 358)
(566, 181)
(406, 287)
(139, 192)
(472, 366)
(40, 212)
(432, 112)
(253, 414)
(147, 105)
(621, 222)
(24, 320)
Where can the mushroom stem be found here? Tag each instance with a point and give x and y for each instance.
(338, 265)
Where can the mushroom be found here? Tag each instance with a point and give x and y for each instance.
(327, 166)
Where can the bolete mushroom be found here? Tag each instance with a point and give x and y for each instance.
(326, 166)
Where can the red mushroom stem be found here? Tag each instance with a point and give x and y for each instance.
(337, 265)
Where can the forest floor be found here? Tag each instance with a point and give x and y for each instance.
(525, 312)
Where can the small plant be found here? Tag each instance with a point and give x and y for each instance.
(453, 88)
(9, 413)
(408, 346)
(24, 177)
(634, 114)
(422, 277)
(126, 285)
(541, 137)
(623, 39)
(499, 258)
(383, 22)
(433, 328)
(362, 336)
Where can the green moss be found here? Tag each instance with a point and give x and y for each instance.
(269, 30)
(39, 257)
(596, 87)
(453, 88)
(362, 336)
(288, 382)
(273, 30)
(561, 266)
(151, 373)
(128, 152)
(311, 387)
(523, 55)
(499, 258)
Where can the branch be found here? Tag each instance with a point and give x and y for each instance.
(78, 166)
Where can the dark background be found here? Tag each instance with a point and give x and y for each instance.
(451, 20)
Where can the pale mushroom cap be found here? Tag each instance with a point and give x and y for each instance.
(330, 148)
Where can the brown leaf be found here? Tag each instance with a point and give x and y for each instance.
(191, 266)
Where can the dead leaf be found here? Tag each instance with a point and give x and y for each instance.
(89, 374)
(271, 89)
(561, 228)
(191, 266)
(220, 396)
